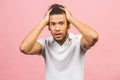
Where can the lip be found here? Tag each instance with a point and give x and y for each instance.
(58, 35)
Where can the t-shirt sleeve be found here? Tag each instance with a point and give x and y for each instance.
(42, 42)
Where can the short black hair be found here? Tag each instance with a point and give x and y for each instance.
(56, 9)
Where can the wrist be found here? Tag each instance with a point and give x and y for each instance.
(45, 22)
(71, 19)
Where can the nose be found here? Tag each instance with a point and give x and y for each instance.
(57, 27)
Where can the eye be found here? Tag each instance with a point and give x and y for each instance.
(52, 24)
(61, 23)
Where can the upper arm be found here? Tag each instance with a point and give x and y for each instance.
(36, 49)
(87, 44)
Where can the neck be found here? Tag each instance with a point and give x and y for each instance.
(65, 38)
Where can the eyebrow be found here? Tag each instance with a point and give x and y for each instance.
(52, 22)
(61, 21)
(58, 22)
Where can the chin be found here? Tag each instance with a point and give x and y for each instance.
(58, 40)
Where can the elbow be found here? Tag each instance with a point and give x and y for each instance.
(95, 38)
(23, 49)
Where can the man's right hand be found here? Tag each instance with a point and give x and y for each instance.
(30, 45)
(46, 17)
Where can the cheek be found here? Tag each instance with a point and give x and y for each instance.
(64, 28)
(50, 28)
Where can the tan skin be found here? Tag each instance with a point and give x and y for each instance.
(58, 27)
(59, 30)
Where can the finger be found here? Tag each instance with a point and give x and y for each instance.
(62, 8)
(65, 9)
(49, 10)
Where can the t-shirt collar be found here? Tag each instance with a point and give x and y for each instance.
(65, 43)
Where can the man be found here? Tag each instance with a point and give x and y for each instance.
(63, 52)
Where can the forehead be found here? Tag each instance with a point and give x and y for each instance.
(57, 17)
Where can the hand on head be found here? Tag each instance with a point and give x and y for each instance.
(46, 17)
(57, 9)
(68, 13)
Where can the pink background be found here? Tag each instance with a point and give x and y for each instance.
(18, 17)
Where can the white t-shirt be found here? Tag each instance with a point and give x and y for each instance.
(64, 62)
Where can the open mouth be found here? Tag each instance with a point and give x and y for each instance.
(58, 35)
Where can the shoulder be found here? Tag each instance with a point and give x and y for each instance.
(43, 41)
(75, 36)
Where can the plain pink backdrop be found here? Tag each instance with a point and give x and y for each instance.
(18, 17)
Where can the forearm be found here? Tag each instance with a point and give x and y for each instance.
(84, 29)
(31, 38)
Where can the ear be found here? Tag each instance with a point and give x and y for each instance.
(68, 26)
(48, 27)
